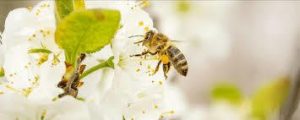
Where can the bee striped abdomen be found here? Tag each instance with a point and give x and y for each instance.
(178, 60)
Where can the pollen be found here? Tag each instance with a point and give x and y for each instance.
(149, 67)
(36, 80)
(55, 60)
(43, 58)
(128, 105)
(45, 33)
(38, 12)
(11, 75)
(48, 32)
(161, 117)
(27, 91)
(54, 99)
(155, 106)
(141, 63)
(43, 116)
(160, 82)
(141, 23)
(164, 59)
(146, 29)
(144, 3)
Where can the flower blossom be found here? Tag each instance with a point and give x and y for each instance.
(34, 64)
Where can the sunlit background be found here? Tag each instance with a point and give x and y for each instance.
(240, 46)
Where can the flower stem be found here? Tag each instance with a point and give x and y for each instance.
(107, 63)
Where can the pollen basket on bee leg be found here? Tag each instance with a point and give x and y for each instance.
(164, 59)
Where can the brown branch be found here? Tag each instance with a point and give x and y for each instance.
(70, 81)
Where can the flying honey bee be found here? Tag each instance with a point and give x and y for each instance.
(168, 54)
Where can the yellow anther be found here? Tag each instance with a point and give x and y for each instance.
(27, 91)
(141, 23)
(146, 29)
(160, 83)
(43, 58)
(155, 106)
(55, 60)
(29, 8)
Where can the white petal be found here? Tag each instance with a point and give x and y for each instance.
(19, 65)
(132, 98)
(19, 24)
(67, 108)
(23, 25)
(16, 107)
(44, 13)
(97, 83)
(49, 77)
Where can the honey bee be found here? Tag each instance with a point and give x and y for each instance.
(168, 54)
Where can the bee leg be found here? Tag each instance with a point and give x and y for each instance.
(137, 55)
(153, 53)
(157, 67)
(166, 68)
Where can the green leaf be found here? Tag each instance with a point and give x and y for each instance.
(227, 92)
(2, 73)
(86, 31)
(62, 9)
(269, 98)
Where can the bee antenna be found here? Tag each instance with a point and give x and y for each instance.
(136, 36)
(138, 42)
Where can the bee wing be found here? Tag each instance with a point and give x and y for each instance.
(176, 41)
(180, 43)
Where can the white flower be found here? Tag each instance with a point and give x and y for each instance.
(24, 31)
(128, 91)
(135, 92)
(18, 107)
(32, 78)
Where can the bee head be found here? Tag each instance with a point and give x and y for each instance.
(148, 37)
